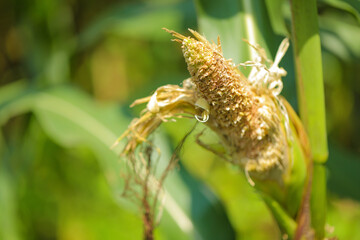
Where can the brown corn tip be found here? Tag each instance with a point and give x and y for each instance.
(247, 117)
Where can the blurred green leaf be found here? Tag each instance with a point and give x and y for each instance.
(12, 89)
(207, 210)
(344, 218)
(47, 42)
(9, 228)
(140, 20)
(70, 118)
(343, 171)
(276, 16)
(234, 21)
(15, 99)
(64, 194)
(338, 36)
(344, 6)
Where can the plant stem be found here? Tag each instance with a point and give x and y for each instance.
(318, 200)
(306, 43)
(307, 53)
(286, 223)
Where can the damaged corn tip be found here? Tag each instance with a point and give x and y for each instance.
(245, 116)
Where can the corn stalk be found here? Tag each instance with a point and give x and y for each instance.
(307, 49)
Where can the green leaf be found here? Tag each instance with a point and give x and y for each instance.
(70, 118)
(338, 36)
(139, 20)
(234, 21)
(344, 6)
(8, 217)
(343, 168)
(276, 16)
(15, 99)
(286, 223)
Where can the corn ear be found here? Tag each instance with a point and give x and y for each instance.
(261, 132)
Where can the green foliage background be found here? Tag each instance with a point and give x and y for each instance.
(68, 71)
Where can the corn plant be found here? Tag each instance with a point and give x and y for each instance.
(259, 130)
(217, 153)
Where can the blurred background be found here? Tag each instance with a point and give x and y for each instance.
(69, 69)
